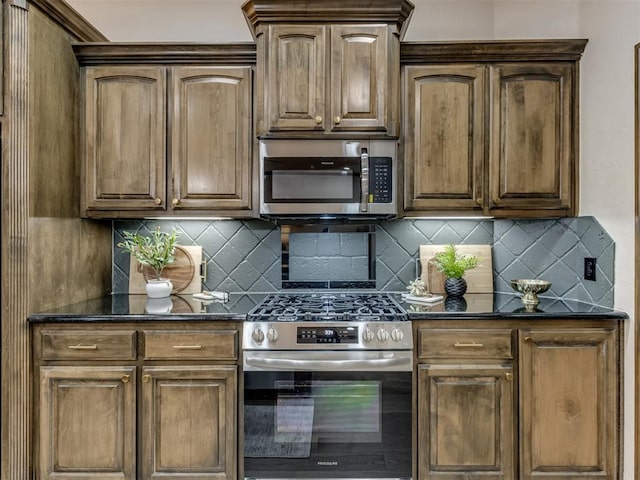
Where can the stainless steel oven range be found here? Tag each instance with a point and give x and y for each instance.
(327, 387)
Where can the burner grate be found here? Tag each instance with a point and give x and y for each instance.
(327, 306)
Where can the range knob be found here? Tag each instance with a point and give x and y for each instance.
(383, 335)
(397, 335)
(257, 335)
(272, 335)
(367, 335)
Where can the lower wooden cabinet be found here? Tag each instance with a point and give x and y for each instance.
(104, 410)
(87, 422)
(547, 406)
(188, 422)
(469, 427)
(569, 403)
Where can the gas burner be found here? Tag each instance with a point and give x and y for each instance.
(347, 306)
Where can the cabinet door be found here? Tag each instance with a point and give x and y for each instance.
(465, 422)
(211, 138)
(532, 139)
(569, 404)
(125, 138)
(87, 423)
(360, 89)
(444, 138)
(296, 78)
(189, 422)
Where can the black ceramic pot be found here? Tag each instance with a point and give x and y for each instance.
(455, 287)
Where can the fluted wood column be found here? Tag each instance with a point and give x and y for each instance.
(15, 216)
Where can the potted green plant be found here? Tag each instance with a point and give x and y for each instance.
(453, 265)
(155, 252)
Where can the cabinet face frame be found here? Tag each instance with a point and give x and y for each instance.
(60, 385)
(164, 390)
(296, 78)
(578, 393)
(307, 86)
(457, 94)
(438, 457)
(110, 90)
(200, 132)
(532, 140)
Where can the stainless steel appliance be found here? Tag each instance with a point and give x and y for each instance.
(326, 178)
(327, 387)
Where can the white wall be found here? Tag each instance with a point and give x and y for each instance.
(607, 90)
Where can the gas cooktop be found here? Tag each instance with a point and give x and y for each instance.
(292, 307)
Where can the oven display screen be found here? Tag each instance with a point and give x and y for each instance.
(327, 335)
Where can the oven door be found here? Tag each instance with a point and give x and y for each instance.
(327, 414)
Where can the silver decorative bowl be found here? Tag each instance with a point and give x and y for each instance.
(530, 290)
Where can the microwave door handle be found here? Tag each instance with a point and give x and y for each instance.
(328, 365)
(364, 178)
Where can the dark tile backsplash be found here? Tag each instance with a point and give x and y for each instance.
(244, 255)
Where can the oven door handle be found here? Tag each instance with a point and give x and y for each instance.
(359, 365)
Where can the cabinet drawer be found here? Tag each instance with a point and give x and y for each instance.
(83, 345)
(205, 345)
(464, 343)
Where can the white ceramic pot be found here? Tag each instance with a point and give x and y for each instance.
(158, 305)
(159, 288)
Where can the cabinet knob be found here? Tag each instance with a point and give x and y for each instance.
(496, 201)
(479, 201)
(508, 376)
(528, 339)
(125, 378)
(318, 119)
(158, 201)
(175, 201)
(336, 119)
(146, 378)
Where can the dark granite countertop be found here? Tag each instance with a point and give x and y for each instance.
(187, 308)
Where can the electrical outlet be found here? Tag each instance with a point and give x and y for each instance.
(590, 268)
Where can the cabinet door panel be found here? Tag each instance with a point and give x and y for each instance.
(296, 77)
(465, 421)
(531, 149)
(87, 423)
(210, 134)
(359, 78)
(189, 422)
(444, 154)
(568, 404)
(125, 138)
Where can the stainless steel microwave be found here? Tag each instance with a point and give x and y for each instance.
(328, 178)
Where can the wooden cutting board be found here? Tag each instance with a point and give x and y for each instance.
(479, 280)
(184, 273)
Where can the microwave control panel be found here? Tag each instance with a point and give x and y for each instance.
(380, 180)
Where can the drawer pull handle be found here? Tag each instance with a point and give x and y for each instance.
(465, 345)
(188, 347)
(125, 379)
(83, 347)
(146, 378)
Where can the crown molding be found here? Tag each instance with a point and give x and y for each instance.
(70, 20)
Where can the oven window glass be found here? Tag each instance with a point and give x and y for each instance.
(312, 185)
(312, 179)
(327, 424)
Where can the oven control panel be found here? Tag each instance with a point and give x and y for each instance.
(327, 335)
(344, 335)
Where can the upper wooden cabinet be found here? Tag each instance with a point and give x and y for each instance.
(327, 68)
(167, 139)
(491, 128)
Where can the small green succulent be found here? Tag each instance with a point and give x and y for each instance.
(454, 264)
(155, 252)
